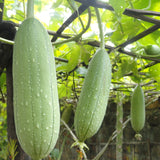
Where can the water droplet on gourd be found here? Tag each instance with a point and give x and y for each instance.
(55, 132)
(30, 49)
(38, 146)
(47, 128)
(27, 120)
(33, 60)
(37, 125)
(31, 142)
(26, 103)
(36, 50)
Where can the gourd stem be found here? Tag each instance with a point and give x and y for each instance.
(102, 44)
(30, 8)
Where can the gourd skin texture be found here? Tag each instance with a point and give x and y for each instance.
(93, 99)
(137, 109)
(36, 106)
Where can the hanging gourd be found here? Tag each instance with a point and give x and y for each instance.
(36, 105)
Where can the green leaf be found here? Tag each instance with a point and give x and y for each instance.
(126, 67)
(73, 5)
(150, 38)
(74, 58)
(61, 67)
(142, 4)
(57, 3)
(119, 6)
(86, 53)
(155, 5)
(126, 29)
(2, 79)
(64, 90)
(154, 72)
(20, 15)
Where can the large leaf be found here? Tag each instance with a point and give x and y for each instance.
(74, 58)
(147, 5)
(126, 29)
(57, 3)
(154, 72)
(65, 88)
(126, 66)
(119, 6)
(86, 53)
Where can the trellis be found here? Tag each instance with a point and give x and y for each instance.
(139, 14)
(85, 4)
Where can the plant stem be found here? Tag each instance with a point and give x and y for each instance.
(6, 41)
(79, 35)
(30, 8)
(119, 126)
(24, 8)
(74, 138)
(102, 44)
(112, 137)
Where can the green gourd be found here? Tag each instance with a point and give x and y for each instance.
(137, 109)
(93, 100)
(66, 115)
(152, 50)
(36, 105)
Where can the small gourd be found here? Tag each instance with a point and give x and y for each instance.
(137, 110)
